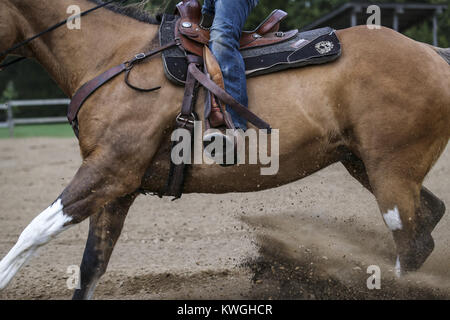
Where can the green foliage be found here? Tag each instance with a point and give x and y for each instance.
(9, 93)
(30, 80)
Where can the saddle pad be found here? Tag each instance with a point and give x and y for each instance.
(306, 48)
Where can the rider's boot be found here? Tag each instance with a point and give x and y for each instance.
(216, 118)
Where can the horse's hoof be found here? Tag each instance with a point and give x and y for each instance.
(415, 256)
(433, 212)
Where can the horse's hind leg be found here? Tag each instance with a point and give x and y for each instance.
(104, 231)
(431, 208)
(431, 211)
(399, 201)
(410, 214)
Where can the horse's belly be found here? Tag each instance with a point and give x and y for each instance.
(286, 168)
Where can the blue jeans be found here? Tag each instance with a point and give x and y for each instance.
(226, 30)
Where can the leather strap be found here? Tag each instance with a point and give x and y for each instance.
(188, 99)
(127, 82)
(227, 98)
(86, 90)
(185, 120)
(140, 57)
(144, 55)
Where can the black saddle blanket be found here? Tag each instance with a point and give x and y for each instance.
(306, 48)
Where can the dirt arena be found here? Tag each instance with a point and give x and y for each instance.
(312, 239)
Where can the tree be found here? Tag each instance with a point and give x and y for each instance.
(9, 93)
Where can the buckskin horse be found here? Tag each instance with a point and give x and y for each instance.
(382, 109)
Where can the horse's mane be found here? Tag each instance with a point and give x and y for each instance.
(131, 11)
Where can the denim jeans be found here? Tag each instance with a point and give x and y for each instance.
(226, 30)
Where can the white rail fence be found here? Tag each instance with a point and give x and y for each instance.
(11, 121)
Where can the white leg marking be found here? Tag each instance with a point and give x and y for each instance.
(41, 230)
(398, 268)
(392, 219)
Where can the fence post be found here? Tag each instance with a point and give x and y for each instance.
(435, 29)
(10, 119)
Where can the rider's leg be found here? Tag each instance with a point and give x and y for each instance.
(208, 9)
(229, 20)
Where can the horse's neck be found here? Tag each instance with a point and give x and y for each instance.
(73, 56)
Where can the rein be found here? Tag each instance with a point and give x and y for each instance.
(54, 27)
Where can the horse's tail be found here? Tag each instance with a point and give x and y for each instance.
(444, 53)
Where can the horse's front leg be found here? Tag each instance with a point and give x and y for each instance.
(92, 188)
(113, 169)
(104, 231)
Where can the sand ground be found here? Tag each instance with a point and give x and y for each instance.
(312, 239)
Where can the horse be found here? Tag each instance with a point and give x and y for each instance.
(382, 110)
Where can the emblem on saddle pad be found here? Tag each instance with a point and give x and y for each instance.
(324, 47)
